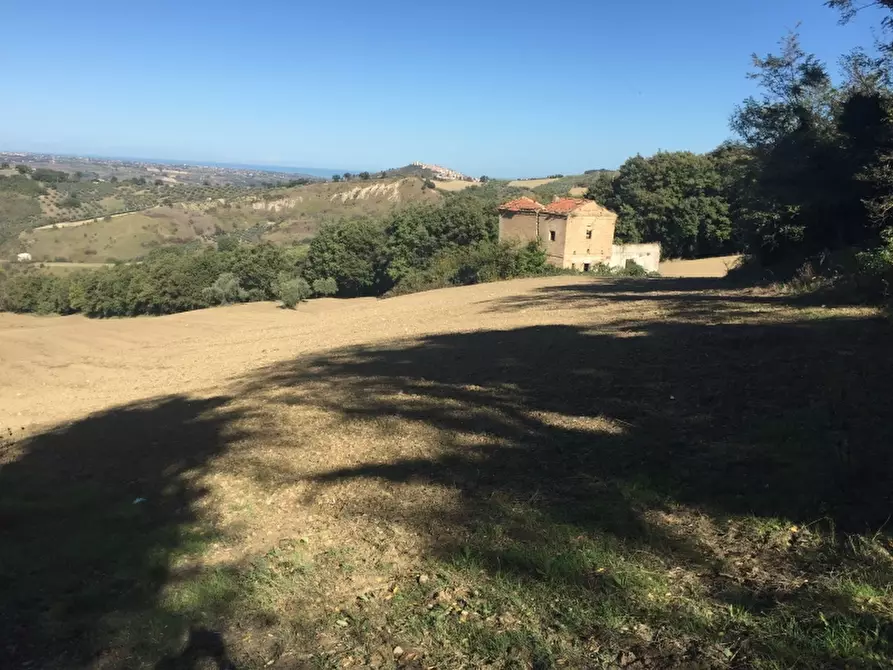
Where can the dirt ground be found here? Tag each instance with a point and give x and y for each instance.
(717, 266)
(539, 473)
(58, 368)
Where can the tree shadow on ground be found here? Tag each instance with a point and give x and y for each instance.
(91, 516)
(687, 296)
(599, 431)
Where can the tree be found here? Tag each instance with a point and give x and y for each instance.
(4, 165)
(417, 233)
(48, 176)
(227, 243)
(675, 199)
(365, 176)
(293, 291)
(351, 252)
(24, 169)
(325, 287)
(225, 290)
(336, 177)
(484, 179)
(602, 190)
(347, 176)
(811, 146)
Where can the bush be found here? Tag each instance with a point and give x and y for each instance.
(293, 291)
(226, 289)
(325, 287)
(49, 176)
(874, 273)
(475, 264)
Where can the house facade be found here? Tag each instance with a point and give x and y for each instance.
(576, 234)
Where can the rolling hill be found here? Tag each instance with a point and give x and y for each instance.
(125, 221)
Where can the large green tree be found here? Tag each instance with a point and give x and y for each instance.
(352, 253)
(672, 198)
(813, 147)
(417, 233)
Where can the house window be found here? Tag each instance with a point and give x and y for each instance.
(551, 235)
(588, 234)
(585, 267)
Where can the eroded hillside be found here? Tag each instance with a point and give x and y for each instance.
(282, 215)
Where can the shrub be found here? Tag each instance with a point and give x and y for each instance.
(874, 273)
(293, 291)
(633, 269)
(49, 176)
(226, 289)
(475, 264)
(325, 287)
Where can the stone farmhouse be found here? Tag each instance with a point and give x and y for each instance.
(577, 234)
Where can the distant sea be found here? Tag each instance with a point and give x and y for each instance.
(285, 169)
(316, 172)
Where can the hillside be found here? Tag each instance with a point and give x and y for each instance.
(46, 227)
(542, 473)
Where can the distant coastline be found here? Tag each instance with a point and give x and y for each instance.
(286, 169)
(316, 172)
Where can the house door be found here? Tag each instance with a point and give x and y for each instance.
(585, 267)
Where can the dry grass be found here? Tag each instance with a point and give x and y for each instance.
(537, 473)
(531, 183)
(454, 186)
(718, 266)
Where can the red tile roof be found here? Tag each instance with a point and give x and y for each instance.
(564, 205)
(521, 205)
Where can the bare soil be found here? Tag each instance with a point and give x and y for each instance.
(556, 472)
(718, 266)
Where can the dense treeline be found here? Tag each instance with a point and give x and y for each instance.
(415, 248)
(808, 185)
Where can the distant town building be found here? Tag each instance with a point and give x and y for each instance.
(24, 258)
(445, 174)
(577, 234)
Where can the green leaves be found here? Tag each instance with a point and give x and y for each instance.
(672, 198)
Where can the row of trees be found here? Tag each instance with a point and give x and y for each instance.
(810, 178)
(413, 249)
(417, 247)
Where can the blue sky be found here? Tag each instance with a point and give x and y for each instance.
(488, 87)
